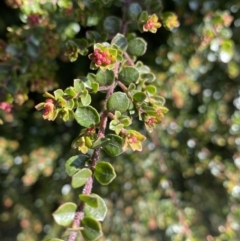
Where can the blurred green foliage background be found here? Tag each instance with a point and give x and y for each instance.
(184, 185)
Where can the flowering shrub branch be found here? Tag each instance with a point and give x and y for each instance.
(117, 73)
(116, 64)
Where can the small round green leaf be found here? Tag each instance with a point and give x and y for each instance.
(64, 215)
(114, 147)
(87, 116)
(75, 163)
(151, 89)
(129, 75)
(148, 77)
(78, 85)
(86, 99)
(82, 43)
(143, 17)
(118, 101)
(92, 229)
(120, 41)
(90, 199)
(134, 10)
(71, 92)
(99, 212)
(112, 24)
(137, 46)
(81, 177)
(139, 97)
(58, 93)
(125, 120)
(143, 69)
(104, 173)
(95, 87)
(104, 78)
(93, 36)
(159, 100)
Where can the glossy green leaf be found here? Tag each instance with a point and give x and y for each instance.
(120, 41)
(100, 143)
(86, 99)
(81, 177)
(131, 87)
(118, 128)
(139, 97)
(91, 77)
(143, 17)
(104, 173)
(92, 229)
(143, 69)
(159, 100)
(95, 86)
(87, 116)
(149, 77)
(118, 101)
(99, 212)
(114, 147)
(64, 215)
(125, 120)
(89, 199)
(78, 85)
(58, 93)
(69, 104)
(134, 10)
(105, 77)
(137, 46)
(75, 163)
(93, 36)
(48, 95)
(82, 43)
(129, 75)
(151, 89)
(112, 24)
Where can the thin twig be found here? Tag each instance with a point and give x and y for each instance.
(95, 156)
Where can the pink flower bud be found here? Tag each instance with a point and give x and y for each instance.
(48, 109)
(6, 106)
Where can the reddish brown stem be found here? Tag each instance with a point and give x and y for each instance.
(88, 186)
(128, 58)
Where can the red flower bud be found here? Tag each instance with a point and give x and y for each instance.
(48, 109)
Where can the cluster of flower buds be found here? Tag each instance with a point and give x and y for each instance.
(132, 139)
(152, 24)
(170, 20)
(104, 56)
(101, 58)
